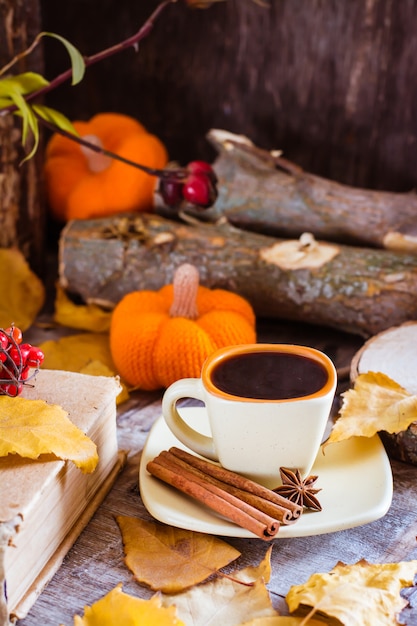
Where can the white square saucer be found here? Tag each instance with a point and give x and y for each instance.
(354, 477)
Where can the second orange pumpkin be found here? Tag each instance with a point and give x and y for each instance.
(82, 184)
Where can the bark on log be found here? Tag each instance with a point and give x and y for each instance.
(265, 193)
(359, 290)
(22, 214)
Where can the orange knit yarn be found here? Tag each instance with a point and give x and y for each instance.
(151, 348)
(83, 184)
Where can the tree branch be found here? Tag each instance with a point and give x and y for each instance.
(172, 174)
(132, 41)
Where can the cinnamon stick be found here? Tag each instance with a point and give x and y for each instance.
(229, 506)
(237, 480)
(279, 512)
(241, 500)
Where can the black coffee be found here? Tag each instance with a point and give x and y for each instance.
(269, 375)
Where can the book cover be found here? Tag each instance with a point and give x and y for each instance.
(45, 504)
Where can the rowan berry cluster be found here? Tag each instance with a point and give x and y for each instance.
(195, 184)
(17, 360)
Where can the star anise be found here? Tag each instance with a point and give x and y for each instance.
(297, 490)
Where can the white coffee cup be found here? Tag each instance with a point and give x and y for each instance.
(267, 406)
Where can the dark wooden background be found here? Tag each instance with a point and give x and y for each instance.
(22, 211)
(333, 84)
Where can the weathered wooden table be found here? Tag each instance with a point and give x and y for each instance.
(95, 563)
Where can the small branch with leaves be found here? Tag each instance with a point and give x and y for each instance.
(195, 184)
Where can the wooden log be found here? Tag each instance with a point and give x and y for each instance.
(359, 290)
(393, 353)
(22, 213)
(263, 192)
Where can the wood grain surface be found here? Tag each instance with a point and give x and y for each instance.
(330, 83)
(95, 563)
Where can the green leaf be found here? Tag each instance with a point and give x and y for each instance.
(5, 102)
(24, 110)
(25, 83)
(55, 117)
(77, 61)
(29, 121)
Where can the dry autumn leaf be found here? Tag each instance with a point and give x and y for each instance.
(85, 353)
(96, 368)
(25, 291)
(75, 352)
(120, 609)
(171, 559)
(340, 593)
(375, 403)
(285, 620)
(82, 316)
(226, 600)
(30, 428)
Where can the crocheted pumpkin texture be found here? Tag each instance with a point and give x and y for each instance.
(81, 183)
(158, 337)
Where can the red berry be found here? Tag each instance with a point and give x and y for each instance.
(25, 351)
(171, 191)
(15, 333)
(199, 190)
(16, 356)
(35, 357)
(24, 375)
(4, 340)
(5, 373)
(10, 389)
(201, 167)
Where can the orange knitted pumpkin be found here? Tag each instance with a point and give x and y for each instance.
(82, 184)
(157, 337)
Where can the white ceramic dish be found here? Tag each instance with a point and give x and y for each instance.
(354, 476)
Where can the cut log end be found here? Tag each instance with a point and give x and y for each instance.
(400, 242)
(393, 352)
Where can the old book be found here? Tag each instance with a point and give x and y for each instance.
(45, 504)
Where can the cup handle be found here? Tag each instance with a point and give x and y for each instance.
(186, 388)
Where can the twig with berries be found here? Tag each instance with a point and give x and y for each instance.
(195, 183)
(19, 362)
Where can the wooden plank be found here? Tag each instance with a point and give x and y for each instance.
(330, 83)
(22, 212)
(95, 563)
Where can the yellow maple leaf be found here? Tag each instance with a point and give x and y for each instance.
(171, 559)
(82, 316)
(118, 608)
(30, 428)
(375, 403)
(362, 594)
(227, 600)
(85, 353)
(25, 291)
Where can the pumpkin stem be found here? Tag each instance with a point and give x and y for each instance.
(185, 283)
(97, 162)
